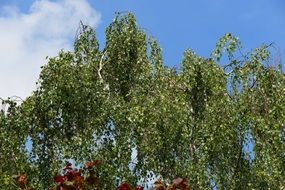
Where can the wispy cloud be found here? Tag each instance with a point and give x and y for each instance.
(27, 38)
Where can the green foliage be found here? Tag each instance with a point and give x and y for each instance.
(144, 120)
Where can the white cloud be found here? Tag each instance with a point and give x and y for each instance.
(27, 38)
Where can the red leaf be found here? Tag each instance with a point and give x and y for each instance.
(72, 174)
(184, 183)
(89, 165)
(124, 186)
(68, 166)
(21, 180)
(59, 179)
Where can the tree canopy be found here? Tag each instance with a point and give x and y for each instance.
(217, 121)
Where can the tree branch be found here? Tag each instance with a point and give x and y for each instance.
(101, 66)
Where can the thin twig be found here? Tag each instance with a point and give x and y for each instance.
(227, 74)
(16, 98)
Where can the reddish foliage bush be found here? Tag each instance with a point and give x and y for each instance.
(87, 179)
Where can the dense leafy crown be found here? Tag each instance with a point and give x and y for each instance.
(219, 122)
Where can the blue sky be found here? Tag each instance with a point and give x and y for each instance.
(197, 24)
(32, 30)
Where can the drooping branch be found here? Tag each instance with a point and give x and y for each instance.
(101, 66)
